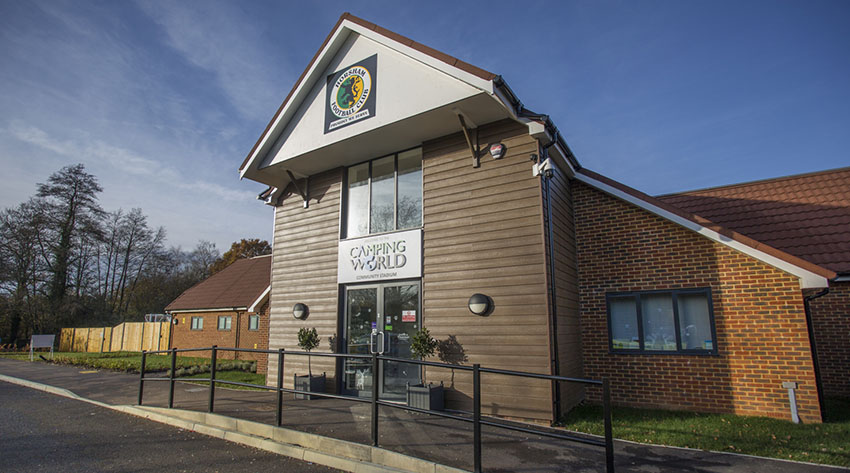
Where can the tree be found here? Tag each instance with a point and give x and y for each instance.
(201, 260)
(241, 249)
(20, 269)
(70, 210)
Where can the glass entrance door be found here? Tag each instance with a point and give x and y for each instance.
(381, 319)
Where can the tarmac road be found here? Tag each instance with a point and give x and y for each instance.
(41, 432)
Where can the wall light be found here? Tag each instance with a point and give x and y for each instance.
(300, 311)
(479, 304)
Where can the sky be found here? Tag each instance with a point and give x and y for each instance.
(162, 100)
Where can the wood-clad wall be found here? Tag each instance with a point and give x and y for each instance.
(483, 234)
(566, 288)
(304, 269)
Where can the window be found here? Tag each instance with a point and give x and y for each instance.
(662, 321)
(254, 322)
(385, 194)
(224, 322)
(197, 323)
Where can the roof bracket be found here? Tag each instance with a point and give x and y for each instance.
(474, 150)
(305, 194)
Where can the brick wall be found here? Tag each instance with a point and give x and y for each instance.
(831, 321)
(256, 338)
(184, 337)
(762, 339)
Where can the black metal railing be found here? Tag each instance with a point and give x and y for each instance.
(476, 418)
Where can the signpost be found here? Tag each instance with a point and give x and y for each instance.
(41, 341)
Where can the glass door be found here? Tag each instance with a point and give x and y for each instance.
(361, 310)
(381, 319)
(401, 321)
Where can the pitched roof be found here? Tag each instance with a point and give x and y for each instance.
(811, 274)
(806, 215)
(237, 285)
(450, 60)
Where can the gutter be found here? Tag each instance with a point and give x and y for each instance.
(522, 112)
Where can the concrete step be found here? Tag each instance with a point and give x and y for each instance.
(334, 453)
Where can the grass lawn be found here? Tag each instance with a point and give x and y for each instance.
(239, 376)
(827, 443)
(117, 361)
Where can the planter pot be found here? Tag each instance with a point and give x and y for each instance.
(428, 397)
(309, 383)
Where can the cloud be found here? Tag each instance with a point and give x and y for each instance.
(213, 42)
(124, 160)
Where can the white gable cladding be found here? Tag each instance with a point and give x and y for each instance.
(405, 88)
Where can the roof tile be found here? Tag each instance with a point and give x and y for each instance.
(237, 285)
(806, 215)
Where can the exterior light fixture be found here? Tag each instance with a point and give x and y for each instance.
(300, 311)
(497, 150)
(479, 304)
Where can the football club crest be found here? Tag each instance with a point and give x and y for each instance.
(351, 94)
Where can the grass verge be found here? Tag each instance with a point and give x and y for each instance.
(116, 361)
(238, 376)
(825, 443)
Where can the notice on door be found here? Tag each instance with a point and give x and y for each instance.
(408, 316)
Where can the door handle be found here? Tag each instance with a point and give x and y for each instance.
(373, 338)
(382, 343)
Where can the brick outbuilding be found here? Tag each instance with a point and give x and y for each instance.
(228, 309)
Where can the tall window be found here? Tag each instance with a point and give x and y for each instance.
(197, 323)
(385, 194)
(254, 322)
(662, 321)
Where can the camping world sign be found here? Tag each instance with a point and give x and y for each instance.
(351, 94)
(388, 256)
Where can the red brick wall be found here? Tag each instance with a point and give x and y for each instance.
(184, 337)
(256, 338)
(831, 321)
(762, 339)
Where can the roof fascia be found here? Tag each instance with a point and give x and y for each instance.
(808, 279)
(220, 309)
(343, 29)
(263, 297)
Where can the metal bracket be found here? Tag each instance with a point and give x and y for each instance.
(305, 194)
(474, 150)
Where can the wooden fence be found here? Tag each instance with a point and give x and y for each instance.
(129, 336)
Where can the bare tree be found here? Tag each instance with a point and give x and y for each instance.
(70, 207)
(20, 268)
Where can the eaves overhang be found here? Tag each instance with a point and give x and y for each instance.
(810, 275)
(491, 101)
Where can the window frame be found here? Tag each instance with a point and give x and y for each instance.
(345, 199)
(192, 320)
(674, 293)
(229, 318)
(251, 318)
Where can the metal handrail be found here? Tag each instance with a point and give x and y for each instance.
(476, 418)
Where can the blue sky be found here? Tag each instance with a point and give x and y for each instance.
(162, 100)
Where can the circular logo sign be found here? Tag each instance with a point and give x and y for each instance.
(350, 91)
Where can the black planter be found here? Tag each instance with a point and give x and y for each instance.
(428, 397)
(310, 383)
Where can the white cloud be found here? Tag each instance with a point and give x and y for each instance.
(214, 42)
(124, 160)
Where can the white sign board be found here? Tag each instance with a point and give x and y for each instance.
(41, 341)
(376, 258)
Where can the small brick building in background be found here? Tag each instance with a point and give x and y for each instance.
(228, 309)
